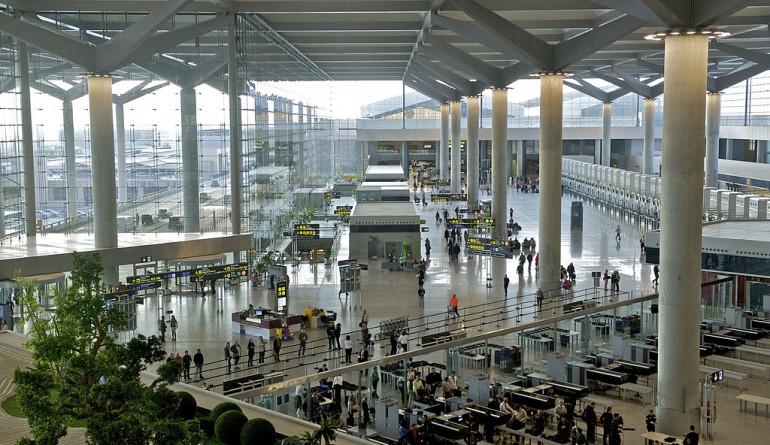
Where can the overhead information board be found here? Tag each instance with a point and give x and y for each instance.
(343, 210)
(446, 197)
(489, 247)
(471, 223)
(151, 281)
(306, 231)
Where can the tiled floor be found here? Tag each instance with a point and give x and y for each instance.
(205, 322)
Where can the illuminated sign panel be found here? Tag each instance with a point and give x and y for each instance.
(306, 231)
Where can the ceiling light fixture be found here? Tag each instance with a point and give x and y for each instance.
(710, 33)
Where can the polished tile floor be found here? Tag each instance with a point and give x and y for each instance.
(205, 322)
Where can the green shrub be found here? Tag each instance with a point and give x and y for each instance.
(228, 427)
(207, 426)
(187, 406)
(223, 408)
(257, 431)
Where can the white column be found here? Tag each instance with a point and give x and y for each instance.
(521, 159)
(606, 134)
(443, 154)
(235, 130)
(549, 242)
(120, 151)
(190, 177)
(301, 170)
(713, 112)
(27, 143)
(405, 158)
(499, 145)
(103, 168)
(456, 147)
(472, 152)
(649, 135)
(69, 159)
(686, 58)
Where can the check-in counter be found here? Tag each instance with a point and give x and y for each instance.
(716, 200)
(743, 206)
(759, 207)
(707, 197)
(729, 203)
(266, 324)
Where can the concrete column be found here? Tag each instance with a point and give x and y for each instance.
(649, 135)
(686, 58)
(290, 132)
(521, 158)
(235, 130)
(443, 155)
(69, 159)
(103, 168)
(551, 91)
(456, 147)
(713, 112)
(190, 178)
(472, 151)
(120, 151)
(300, 127)
(606, 133)
(27, 143)
(405, 158)
(499, 146)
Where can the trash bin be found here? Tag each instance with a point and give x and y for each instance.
(576, 216)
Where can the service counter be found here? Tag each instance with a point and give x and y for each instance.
(267, 324)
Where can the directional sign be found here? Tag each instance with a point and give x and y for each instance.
(444, 197)
(139, 282)
(343, 210)
(306, 231)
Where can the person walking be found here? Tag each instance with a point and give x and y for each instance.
(302, 337)
(641, 244)
(228, 357)
(691, 438)
(364, 320)
(198, 360)
(427, 248)
(261, 346)
(393, 342)
(537, 263)
(186, 362)
(571, 272)
(650, 420)
(529, 261)
(337, 334)
(162, 328)
(453, 303)
(606, 278)
(236, 349)
(540, 298)
(421, 296)
(617, 234)
(250, 350)
(506, 282)
(174, 324)
(656, 272)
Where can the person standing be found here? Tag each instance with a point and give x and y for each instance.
(162, 328)
(250, 350)
(650, 420)
(427, 246)
(453, 303)
(540, 298)
(375, 381)
(537, 263)
(236, 349)
(453, 384)
(589, 415)
(302, 342)
(571, 272)
(174, 325)
(403, 341)
(198, 360)
(691, 438)
(506, 282)
(186, 361)
(641, 244)
(606, 421)
(261, 346)
(276, 349)
(330, 335)
(348, 349)
(606, 278)
(228, 357)
(656, 272)
(616, 427)
(529, 261)
(337, 334)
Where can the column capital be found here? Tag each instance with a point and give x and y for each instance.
(650, 99)
(552, 73)
(713, 93)
(110, 75)
(684, 32)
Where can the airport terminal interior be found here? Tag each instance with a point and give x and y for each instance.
(519, 201)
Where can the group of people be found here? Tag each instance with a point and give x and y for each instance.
(163, 327)
(525, 184)
(187, 361)
(612, 279)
